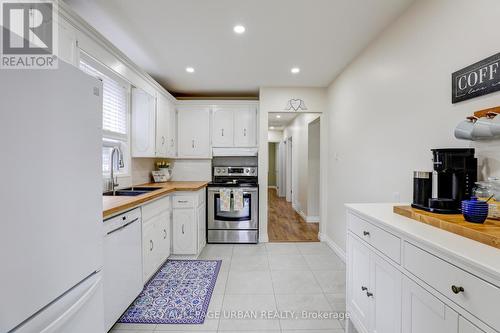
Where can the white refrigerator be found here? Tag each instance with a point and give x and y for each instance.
(51, 201)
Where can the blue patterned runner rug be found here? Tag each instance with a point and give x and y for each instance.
(179, 293)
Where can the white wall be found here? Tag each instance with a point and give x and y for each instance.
(393, 103)
(274, 136)
(313, 170)
(299, 130)
(275, 99)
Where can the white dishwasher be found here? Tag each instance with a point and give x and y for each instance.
(122, 264)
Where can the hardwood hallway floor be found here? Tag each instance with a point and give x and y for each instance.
(285, 225)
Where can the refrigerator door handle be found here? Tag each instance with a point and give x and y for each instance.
(68, 314)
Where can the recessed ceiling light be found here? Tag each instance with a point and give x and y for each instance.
(295, 70)
(190, 69)
(239, 29)
(272, 127)
(278, 116)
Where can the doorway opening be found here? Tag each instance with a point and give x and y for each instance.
(294, 177)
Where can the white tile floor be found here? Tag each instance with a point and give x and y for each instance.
(270, 277)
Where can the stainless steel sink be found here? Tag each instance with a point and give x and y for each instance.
(142, 189)
(124, 193)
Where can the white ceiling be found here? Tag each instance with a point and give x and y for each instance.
(164, 37)
(280, 120)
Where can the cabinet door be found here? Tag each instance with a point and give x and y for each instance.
(359, 282)
(245, 126)
(184, 231)
(143, 124)
(163, 236)
(149, 249)
(67, 44)
(202, 227)
(194, 131)
(223, 124)
(424, 313)
(386, 284)
(465, 326)
(162, 126)
(172, 133)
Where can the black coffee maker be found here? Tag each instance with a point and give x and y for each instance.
(454, 176)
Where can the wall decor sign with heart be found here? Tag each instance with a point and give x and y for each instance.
(296, 105)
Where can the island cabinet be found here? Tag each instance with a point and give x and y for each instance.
(405, 276)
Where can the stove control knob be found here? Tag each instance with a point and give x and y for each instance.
(253, 171)
(247, 170)
(218, 170)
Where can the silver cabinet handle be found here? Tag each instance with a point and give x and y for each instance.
(192, 143)
(244, 132)
(171, 142)
(151, 245)
(364, 288)
(366, 233)
(182, 228)
(162, 140)
(222, 130)
(182, 201)
(369, 294)
(164, 233)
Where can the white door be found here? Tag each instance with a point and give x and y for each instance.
(424, 313)
(202, 227)
(194, 131)
(149, 248)
(465, 326)
(245, 126)
(184, 232)
(162, 126)
(143, 124)
(172, 133)
(359, 282)
(385, 287)
(163, 234)
(223, 125)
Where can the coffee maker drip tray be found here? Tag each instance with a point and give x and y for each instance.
(440, 206)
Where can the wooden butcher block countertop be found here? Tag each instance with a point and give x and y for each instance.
(487, 233)
(113, 205)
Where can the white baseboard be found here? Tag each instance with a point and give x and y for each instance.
(335, 248)
(308, 219)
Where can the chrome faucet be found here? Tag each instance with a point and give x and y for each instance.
(116, 150)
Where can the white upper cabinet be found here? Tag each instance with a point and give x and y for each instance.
(163, 126)
(234, 125)
(67, 43)
(143, 124)
(223, 125)
(193, 131)
(245, 126)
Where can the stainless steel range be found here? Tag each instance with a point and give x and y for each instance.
(229, 224)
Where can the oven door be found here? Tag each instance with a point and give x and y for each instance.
(243, 219)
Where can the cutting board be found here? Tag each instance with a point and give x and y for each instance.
(487, 233)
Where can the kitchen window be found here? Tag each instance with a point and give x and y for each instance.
(116, 110)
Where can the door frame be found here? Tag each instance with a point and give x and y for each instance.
(289, 169)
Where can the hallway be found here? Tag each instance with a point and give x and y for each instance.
(285, 225)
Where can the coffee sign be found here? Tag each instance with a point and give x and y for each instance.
(479, 79)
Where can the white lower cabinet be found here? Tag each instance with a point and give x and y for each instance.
(155, 235)
(424, 313)
(374, 290)
(425, 292)
(189, 223)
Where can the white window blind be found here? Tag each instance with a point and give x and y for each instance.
(115, 103)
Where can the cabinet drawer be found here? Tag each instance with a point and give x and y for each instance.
(155, 208)
(478, 296)
(382, 240)
(184, 201)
